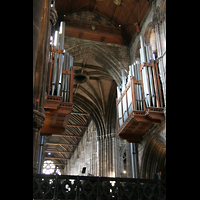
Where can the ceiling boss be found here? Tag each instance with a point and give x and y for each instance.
(117, 2)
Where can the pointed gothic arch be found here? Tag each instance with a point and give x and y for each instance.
(154, 158)
(93, 106)
(101, 56)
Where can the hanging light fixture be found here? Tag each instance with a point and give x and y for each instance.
(117, 2)
(93, 27)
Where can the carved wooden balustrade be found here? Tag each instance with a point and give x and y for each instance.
(133, 117)
(98, 188)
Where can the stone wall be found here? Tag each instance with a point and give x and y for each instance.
(85, 155)
(102, 156)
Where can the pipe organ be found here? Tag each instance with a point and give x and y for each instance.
(59, 89)
(139, 100)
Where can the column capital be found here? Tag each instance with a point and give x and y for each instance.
(53, 16)
(114, 135)
(38, 119)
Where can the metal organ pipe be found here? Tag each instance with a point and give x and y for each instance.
(124, 97)
(145, 72)
(142, 44)
(136, 85)
(146, 55)
(138, 69)
(123, 80)
(70, 64)
(65, 77)
(129, 91)
(60, 65)
(56, 45)
(131, 72)
(119, 105)
(138, 89)
(118, 92)
(152, 103)
(62, 61)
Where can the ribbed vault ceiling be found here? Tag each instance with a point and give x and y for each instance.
(94, 97)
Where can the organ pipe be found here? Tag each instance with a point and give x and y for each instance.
(145, 76)
(142, 90)
(120, 113)
(123, 80)
(60, 65)
(138, 69)
(65, 77)
(60, 83)
(118, 92)
(56, 45)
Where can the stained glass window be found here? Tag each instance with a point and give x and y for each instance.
(50, 168)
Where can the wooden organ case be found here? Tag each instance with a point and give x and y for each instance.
(58, 104)
(140, 103)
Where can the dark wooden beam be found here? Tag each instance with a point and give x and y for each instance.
(68, 6)
(102, 38)
(92, 5)
(100, 33)
(80, 34)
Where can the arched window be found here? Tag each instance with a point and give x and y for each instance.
(50, 168)
(124, 163)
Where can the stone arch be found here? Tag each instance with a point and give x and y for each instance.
(150, 40)
(101, 56)
(105, 124)
(154, 157)
(111, 123)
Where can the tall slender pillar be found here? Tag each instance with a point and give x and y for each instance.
(37, 11)
(161, 50)
(104, 157)
(41, 35)
(98, 156)
(38, 122)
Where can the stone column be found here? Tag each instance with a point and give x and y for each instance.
(38, 122)
(37, 11)
(43, 18)
(114, 154)
(110, 161)
(100, 145)
(98, 156)
(161, 51)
